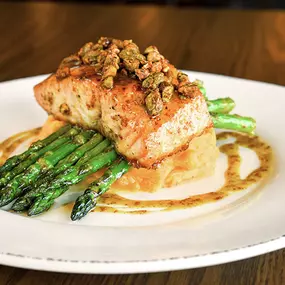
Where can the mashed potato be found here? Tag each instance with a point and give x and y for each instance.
(197, 161)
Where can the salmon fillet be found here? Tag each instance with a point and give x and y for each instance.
(120, 115)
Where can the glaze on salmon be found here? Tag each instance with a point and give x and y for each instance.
(120, 115)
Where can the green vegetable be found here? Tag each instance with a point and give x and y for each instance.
(71, 159)
(64, 166)
(87, 202)
(221, 105)
(75, 174)
(15, 160)
(48, 161)
(9, 175)
(203, 91)
(95, 151)
(234, 122)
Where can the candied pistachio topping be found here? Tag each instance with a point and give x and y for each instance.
(188, 89)
(108, 57)
(153, 80)
(166, 90)
(200, 84)
(182, 77)
(131, 56)
(154, 103)
(110, 66)
(153, 54)
(86, 48)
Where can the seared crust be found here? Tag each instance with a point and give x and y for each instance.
(120, 115)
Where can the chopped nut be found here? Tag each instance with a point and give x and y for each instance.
(104, 41)
(90, 57)
(130, 60)
(68, 62)
(143, 72)
(166, 90)
(165, 66)
(141, 58)
(72, 60)
(153, 80)
(172, 75)
(154, 103)
(153, 54)
(111, 63)
(199, 83)
(182, 77)
(188, 90)
(87, 47)
(109, 71)
(118, 43)
(156, 67)
(108, 82)
(128, 44)
(98, 68)
(132, 64)
(101, 57)
(109, 56)
(62, 72)
(131, 56)
(98, 46)
(150, 49)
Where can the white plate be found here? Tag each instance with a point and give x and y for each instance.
(242, 226)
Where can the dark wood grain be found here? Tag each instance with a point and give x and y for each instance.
(249, 44)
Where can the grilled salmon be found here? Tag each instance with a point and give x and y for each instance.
(119, 114)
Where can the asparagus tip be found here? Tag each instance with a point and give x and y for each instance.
(40, 205)
(83, 205)
(6, 197)
(20, 205)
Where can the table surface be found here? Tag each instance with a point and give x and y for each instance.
(247, 44)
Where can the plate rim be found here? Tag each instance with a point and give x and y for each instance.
(143, 266)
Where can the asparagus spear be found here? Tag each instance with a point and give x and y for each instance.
(234, 122)
(87, 201)
(42, 204)
(221, 105)
(4, 180)
(71, 159)
(74, 176)
(48, 161)
(15, 160)
(95, 151)
(24, 202)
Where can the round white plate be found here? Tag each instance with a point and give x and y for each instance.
(241, 226)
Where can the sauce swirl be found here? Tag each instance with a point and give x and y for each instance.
(112, 202)
(233, 182)
(8, 146)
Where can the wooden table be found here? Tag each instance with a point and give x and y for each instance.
(249, 44)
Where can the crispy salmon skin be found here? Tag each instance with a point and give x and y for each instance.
(120, 115)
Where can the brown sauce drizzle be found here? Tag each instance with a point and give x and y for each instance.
(113, 202)
(233, 181)
(8, 146)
